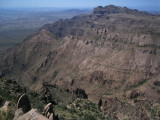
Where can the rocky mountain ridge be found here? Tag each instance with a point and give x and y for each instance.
(112, 55)
(111, 9)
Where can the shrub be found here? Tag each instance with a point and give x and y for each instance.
(6, 116)
(89, 117)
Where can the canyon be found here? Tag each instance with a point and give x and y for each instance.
(110, 57)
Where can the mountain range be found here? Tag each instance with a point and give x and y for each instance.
(111, 55)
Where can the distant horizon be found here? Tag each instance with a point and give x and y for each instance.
(81, 8)
(148, 5)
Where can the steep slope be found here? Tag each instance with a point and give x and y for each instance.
(111, 54)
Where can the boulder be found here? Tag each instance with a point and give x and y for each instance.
(51, 116)
(49, 113)
(24, 103)
(18, 113)
(48, 109)
(5, 107)
(32, 115)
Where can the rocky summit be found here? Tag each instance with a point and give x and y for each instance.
(110, 57)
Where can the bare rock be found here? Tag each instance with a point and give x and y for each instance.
(51, 116)
(111, 9)
(32, 115)
(49, 113)
(48, 109)
(18, 113)
(5, 107)
(134, 94)
(24, 103)
(80, 93)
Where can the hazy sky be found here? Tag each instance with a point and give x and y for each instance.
(78, 3)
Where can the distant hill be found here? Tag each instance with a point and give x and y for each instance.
(17, 24)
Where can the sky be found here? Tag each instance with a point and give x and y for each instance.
(148, 4)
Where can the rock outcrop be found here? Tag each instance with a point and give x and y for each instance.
(111, 9)
(48, 112)
(19, 112)
(5, 107)
(80, 93)
(24, 111)
(32, 115)
(24, 103)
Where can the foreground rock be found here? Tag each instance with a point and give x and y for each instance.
(33, 115)
(24, 111)
(19, 112)
(5, 107)
(24, 103)
(48, 112)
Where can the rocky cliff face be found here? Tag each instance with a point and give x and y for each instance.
(114, 52)
(111, 9)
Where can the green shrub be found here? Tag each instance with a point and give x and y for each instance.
(6, 116)
(89, 117)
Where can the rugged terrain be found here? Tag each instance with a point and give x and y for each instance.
(17, 23)
(110, 57)
(66, 109)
